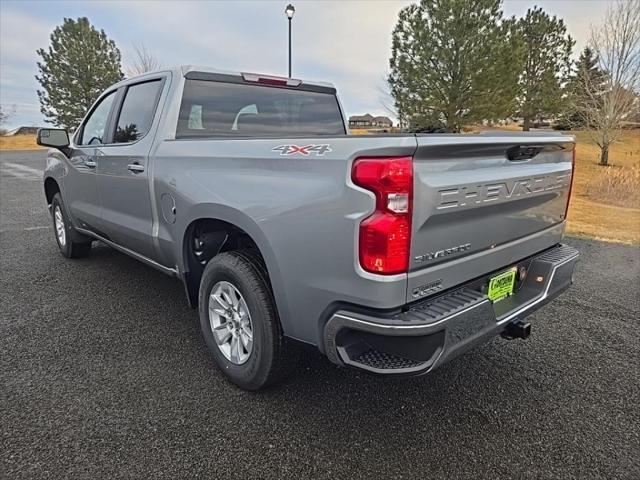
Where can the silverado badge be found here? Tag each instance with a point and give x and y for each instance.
(442, 253)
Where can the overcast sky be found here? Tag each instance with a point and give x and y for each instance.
(344, 42)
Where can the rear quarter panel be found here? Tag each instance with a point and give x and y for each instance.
(302, 211)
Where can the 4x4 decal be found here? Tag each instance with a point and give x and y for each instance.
(317, 150)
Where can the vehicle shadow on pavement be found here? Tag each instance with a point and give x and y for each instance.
(160, 300)
(115, 368)
(482, 384)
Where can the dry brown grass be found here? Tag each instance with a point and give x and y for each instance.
(595, 211)
(19, 142)
(373, 131)
(616, 186)
(598, 192)
(605, 201)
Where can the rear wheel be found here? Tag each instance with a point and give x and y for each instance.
(239, 321)
(66, 238)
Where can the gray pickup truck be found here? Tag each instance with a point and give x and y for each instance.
(388, 253)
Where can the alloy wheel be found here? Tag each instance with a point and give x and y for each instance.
(230, 322)
(58, 221)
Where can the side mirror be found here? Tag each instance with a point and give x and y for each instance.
(53, 137)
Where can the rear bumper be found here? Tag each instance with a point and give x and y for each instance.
(427, 334)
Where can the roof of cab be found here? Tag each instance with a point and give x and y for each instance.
(184, 69)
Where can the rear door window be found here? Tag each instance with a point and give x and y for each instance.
(228, 109)
(136, 114)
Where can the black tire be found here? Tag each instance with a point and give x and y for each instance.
(75, 244)
(271, 355)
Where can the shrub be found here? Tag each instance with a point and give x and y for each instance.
(616, 186)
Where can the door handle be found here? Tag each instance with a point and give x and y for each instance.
(135, 168)
(90, 163)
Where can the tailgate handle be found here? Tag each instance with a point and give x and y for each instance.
(521, 153)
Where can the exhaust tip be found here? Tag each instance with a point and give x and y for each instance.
(517, 329)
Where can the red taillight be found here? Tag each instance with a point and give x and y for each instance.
(573, 174)
(385, 236)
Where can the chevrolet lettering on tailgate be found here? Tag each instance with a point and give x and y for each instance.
(500, 191)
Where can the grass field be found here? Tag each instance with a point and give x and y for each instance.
(593, 211)
(19, 142)
(598, 192)
(605, 202)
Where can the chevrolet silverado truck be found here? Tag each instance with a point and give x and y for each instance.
(388, 253)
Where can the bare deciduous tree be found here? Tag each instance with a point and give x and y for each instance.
(386, 100)
(143, 62)
(6, 114)
(607, 104)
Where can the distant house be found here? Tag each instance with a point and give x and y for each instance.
(23, 131)
(369, 121)
(360, 120)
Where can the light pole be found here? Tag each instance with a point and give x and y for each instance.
(289, 11)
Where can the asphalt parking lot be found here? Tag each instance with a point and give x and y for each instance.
(103, 374)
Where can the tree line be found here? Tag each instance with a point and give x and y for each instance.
(459, 62)
(453, 63)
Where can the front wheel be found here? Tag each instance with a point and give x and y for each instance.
(66, 238)
(239, 321)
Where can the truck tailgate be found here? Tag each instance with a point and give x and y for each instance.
(482, 202)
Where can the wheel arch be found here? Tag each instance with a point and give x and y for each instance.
(51, 187)
(228, 230)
